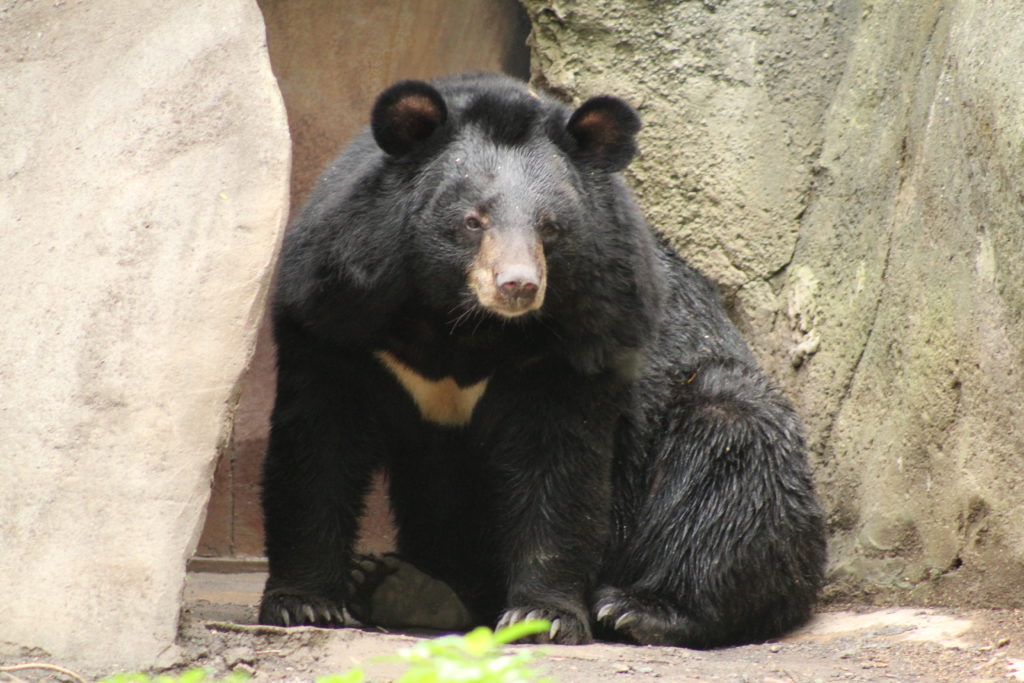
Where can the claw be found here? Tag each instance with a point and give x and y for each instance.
(310, 614)
(510, 617)
(556, 624)
(534, 614)
(627, 619)
(605, 612)
(285, 617)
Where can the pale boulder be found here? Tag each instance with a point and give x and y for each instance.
(143, 191)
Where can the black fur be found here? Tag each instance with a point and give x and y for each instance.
(628, 468)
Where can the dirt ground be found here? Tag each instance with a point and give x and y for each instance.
(848, 643)
(840, 644)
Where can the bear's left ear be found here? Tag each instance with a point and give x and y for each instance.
(405, 115)
(604, 128)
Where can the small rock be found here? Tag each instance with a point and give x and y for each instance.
(235, 656)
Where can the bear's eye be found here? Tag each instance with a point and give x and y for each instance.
(548, 230)
(473, 223)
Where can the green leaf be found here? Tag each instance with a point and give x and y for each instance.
(475, 657)
(351, 676)
(521, 630)
(478, 641)
(191, 676)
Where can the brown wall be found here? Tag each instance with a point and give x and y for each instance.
(331, 58)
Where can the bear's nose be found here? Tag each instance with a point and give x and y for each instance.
(518, 285)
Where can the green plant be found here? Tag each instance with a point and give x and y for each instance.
(476, 657)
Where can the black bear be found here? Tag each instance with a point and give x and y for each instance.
(571, 427)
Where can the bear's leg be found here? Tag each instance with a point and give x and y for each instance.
(546, 438)
(323, 449)
(728, 545)
(441, 503)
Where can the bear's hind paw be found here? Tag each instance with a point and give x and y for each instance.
(367, 574)
(285, 607)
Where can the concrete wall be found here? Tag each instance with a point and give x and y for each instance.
(849, 172)
(143, 189)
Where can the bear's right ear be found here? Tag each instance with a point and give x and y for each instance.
(405, 115)
(603, 128)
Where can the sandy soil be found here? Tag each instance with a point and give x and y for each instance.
(840, 644)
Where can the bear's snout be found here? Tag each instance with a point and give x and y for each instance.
(509, 272)
(518, 285)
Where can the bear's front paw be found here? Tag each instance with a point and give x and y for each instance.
(566, 628)
(293, 607)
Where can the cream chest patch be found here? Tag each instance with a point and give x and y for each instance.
(439, 401)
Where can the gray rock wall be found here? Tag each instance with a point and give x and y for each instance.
(143, 187)
(850, 173)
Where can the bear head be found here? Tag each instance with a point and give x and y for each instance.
(475, 203)
(511, 186)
